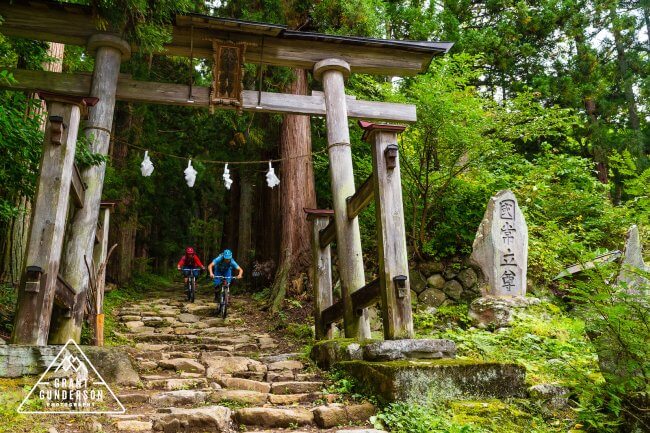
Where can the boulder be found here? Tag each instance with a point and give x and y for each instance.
(429, 268)
(326, 353)
(436, 281)
(273, 417)
(390, 350)
(551, 397)
(113, 364)
(453, 290)
(496, 312)
(432, 297)
(467, 278)
(417, 281)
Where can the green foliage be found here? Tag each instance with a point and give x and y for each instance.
(617, 319)
(20, 142)
(407, 417)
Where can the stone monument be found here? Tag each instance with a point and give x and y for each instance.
(633, 261)
(501, 247)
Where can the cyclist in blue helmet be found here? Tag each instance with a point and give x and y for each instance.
(223, 266)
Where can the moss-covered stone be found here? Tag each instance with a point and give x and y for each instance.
(443, 379)
(326, 353)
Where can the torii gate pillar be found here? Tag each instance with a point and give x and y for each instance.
(110, 51)
(39, 278)
(332, 72)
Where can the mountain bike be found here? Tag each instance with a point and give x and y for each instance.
(223, 296)
(191, 274)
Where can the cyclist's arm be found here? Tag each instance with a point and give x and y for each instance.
(236, 267)
(198, 263)
(180, 263)
(210, 269)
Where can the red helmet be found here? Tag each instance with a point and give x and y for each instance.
(189, 250)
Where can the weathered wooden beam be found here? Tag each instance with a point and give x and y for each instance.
(130, 90)
(361, 198)
(394, 284)
(77, 188)
(332, 73)
(327, 235)
(366, 296)
(64, 295)
(321, 274)
(109, 52)
(362, 298)
(332, 314)
(193, 34)
(45, 242)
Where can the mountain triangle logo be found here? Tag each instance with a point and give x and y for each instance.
(71, 384)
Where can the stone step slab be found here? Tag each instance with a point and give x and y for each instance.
(182, 364)
(134, 426)
(209, 418)
(285, 365)
(178, 398)
(292, 399)
(177, 384)
(241, 396)
(245, 384)
(274, 417)
(337, 414)
(295, 387)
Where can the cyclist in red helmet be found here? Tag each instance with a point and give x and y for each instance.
(189, 260)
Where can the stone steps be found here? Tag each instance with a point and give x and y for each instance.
(194, 368)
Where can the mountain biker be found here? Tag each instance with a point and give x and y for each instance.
(189, 260)
(224, 265)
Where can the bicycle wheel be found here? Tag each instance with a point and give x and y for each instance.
(224, 309)
(192, 289)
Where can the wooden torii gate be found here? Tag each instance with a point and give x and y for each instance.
(331, 58)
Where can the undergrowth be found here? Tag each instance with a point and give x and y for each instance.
(136, 290)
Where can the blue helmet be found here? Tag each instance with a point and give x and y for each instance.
(227, 254)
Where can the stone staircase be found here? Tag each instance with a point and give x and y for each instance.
(201, 373)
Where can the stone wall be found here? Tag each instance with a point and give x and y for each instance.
(434, 284)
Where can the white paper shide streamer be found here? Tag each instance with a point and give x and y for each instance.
(227, 181)
(190, 174)
(271, 179)
(146, 166)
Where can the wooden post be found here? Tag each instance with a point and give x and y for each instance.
(45, 239)
(110, 50)
(332, 73)
(321, 267)
(394, 285)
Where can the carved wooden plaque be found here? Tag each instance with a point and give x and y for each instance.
(227, 73)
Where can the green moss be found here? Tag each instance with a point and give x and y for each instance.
(442, 379)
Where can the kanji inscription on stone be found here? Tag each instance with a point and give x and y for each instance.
(501, 247)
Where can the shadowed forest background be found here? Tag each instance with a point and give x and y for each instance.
(547, 98)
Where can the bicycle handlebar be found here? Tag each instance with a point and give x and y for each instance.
(234, 277)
